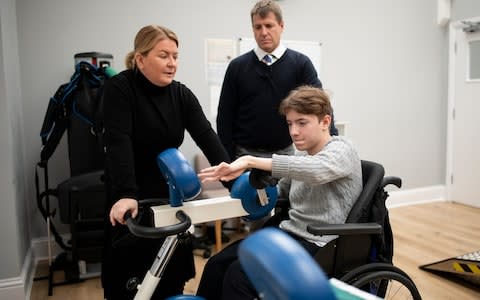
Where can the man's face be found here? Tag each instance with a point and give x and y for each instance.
(267, 31)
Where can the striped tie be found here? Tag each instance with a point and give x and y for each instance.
(267, 59)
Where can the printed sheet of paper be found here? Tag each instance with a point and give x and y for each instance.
(219, 53)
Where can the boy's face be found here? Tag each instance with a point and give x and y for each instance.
(267, 31)
(307, 131)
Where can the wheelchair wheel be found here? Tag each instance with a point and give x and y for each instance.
(387, 285)
(354, 274)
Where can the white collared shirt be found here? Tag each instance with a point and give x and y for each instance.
(276, 54)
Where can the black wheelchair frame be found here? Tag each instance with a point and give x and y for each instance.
(363, 251)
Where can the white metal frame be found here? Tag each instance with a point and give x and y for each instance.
(199, 211)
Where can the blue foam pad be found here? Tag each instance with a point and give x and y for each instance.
(281, 269)
(242, 189)
(182, 180)
(185, 297)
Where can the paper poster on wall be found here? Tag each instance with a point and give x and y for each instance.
(310, 48)
(219, 52)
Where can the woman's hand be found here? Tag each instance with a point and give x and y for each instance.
(117, 213)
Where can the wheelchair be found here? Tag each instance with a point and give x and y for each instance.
(362, 255)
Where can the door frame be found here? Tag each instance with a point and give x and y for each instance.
(454, 27)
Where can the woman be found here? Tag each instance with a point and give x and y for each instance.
(322, 181)
(146, 112)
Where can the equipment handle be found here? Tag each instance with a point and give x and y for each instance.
(158, 232)
(261, 179)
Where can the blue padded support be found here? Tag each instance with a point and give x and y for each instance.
(182, 180)
(281, 269)
(242, 189)
(185, 297)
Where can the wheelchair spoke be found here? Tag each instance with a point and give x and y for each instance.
(396, 290)
(388, 285)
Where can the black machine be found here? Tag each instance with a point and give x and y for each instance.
(76, 108)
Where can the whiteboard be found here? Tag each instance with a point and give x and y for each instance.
(310, 48)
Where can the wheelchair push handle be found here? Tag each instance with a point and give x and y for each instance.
(396, 181)
(158, 232)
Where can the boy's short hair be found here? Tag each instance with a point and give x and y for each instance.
(307, 100)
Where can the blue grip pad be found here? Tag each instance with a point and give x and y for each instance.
(185, 297)
(182, 180)
(243, 190)
(280, 268)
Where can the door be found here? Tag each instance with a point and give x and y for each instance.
(465, 114)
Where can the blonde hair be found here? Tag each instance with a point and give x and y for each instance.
(145, 41)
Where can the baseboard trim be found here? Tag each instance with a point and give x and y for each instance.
(19, 287)
(40, 247)
(416, 196)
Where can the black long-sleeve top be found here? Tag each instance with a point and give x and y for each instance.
(251, 93)
(142, 120)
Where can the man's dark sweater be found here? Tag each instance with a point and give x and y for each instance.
(252, 91)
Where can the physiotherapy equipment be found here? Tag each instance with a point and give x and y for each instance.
(206, 210)
(277, 265)
(173, 220)
(76, 108)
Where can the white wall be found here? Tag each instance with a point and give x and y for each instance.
(464, 9)
(14, 232)
(384, 60)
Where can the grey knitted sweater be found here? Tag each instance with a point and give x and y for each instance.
(322, 187)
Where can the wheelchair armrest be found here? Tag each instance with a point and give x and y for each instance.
(397, 181)
(345, 229)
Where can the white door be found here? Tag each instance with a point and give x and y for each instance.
(464, 185)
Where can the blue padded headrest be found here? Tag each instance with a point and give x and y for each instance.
(281, 269)
(182, 180)
(242, 189)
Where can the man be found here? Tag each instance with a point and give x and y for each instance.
(248, 121)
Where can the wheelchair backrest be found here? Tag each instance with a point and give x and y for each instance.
(353, 251)
(372, 176)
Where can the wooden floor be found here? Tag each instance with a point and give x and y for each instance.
(432, 232)
(423, 233)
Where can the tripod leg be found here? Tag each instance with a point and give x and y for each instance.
(50, 271)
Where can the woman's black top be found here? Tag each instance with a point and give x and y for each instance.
(142, 120)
